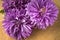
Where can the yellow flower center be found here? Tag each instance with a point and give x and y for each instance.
(43, 10)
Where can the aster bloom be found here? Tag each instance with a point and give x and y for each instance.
(42, 12)
(10, 4)
(17, 24)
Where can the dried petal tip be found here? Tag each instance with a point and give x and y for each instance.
(42, 12)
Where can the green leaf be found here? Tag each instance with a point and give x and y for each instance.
(2, 11)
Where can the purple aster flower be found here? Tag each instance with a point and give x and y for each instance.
(17, 24)
(42, 12)
(10, 4)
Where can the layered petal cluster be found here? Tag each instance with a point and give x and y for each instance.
(42, 12)
(17, 24)
(10, 4)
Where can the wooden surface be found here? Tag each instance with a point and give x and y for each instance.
(51, 33)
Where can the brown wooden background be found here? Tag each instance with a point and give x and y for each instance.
(51, 33)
